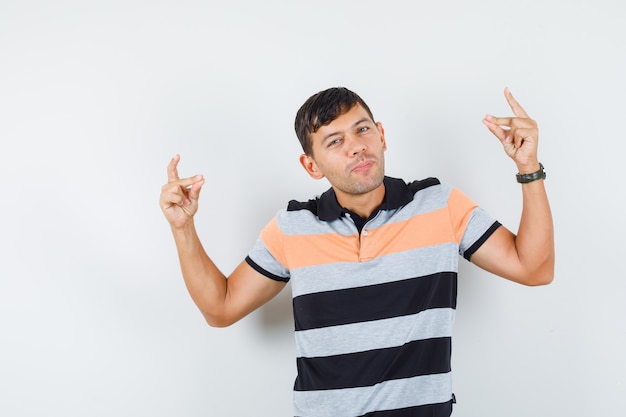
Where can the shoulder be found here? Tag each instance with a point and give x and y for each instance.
(299, 217)
(429, 194)
(430, 188)
(310, 205)
(419, 185)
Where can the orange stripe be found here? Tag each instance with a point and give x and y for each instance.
(460, 207)
(296, 251)
(420, 231)
(445, 225)
(274, 239)
(308, 250)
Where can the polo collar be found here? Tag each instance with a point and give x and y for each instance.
(397, 194)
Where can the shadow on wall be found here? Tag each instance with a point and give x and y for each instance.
(277, 315)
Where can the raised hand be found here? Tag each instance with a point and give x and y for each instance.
(179, 197)
(519, 135)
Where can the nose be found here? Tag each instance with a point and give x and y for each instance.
(356, 146)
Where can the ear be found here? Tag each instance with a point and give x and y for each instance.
(379, 125)
(309, 165)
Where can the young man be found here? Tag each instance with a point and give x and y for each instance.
(373, 262)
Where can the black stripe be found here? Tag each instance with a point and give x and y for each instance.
(429, 410)
(363, 369)
(310, 205)
(375, 302)
(416, 186)
(470, 251)
(397, 194)
(262, 271)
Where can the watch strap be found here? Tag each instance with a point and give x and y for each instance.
(533, 176)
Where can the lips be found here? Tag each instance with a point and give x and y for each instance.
(363, 166)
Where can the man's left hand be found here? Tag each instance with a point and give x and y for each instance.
(519, 135)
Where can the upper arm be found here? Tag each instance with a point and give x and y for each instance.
(498, 255)
(246, 290)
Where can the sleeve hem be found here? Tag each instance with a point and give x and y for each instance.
(263, 272)
(472, 249)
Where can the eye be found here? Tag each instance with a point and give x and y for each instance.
(363, 129)
(334, 142)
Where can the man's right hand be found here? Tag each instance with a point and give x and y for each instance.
(179, 197)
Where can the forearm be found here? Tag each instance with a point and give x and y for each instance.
(535, 237)
(205, 283)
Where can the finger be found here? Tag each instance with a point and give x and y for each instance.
(184, 183)
(525, 135)
(494, 128)
(194, 191)
(512, 122)
(500, 121)
(172, 169)
(169, 198)
(178, 192)
(515, 106)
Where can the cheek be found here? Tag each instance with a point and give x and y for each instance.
(330, 164)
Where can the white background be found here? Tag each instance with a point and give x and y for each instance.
(96, 97)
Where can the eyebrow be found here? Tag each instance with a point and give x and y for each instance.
(358, 122)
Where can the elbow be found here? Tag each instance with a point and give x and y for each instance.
(540, 272)
(542, 276)
(215, 314)
(218, 321)
(539, 280)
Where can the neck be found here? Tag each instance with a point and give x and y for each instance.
(362, 204)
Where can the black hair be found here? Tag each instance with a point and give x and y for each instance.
(321, 109)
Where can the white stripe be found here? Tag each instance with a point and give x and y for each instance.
(389, 395)
(378, 334)
(478, 224)
(303, 222)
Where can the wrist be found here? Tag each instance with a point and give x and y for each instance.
(524, 177)
(183, 229)
(528, 168)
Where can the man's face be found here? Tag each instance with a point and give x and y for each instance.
(349, 152)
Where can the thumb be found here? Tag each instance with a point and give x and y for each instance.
(494, 128)
(194, 191)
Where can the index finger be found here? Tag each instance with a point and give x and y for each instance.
(515, 106)
(172, 170)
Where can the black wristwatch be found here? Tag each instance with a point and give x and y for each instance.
(533, 176)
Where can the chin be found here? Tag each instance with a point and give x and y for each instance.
(366, 186)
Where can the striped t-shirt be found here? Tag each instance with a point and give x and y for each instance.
(374, 305)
